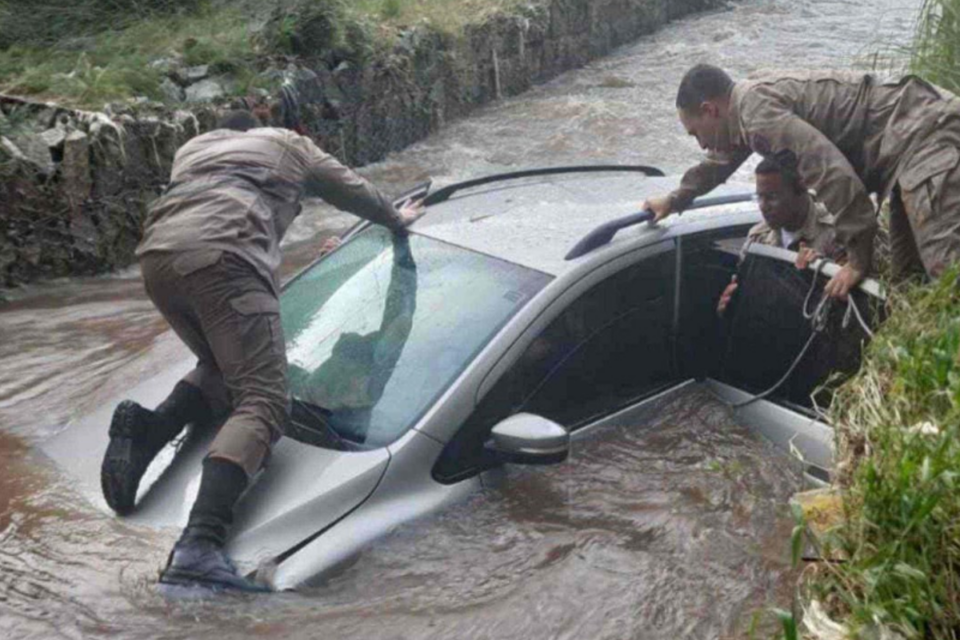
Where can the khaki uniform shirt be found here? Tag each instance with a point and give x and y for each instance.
(818, 233)
(852, 134)
(239, 192)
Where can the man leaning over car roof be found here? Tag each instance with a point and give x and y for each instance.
(853, 135)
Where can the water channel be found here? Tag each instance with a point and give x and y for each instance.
(677, 529)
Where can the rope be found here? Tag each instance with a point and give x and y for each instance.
(818, 323)
(808, 315)
(854, 310)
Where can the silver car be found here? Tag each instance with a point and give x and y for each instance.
(418, 363)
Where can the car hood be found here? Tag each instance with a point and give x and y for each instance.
(306, 490)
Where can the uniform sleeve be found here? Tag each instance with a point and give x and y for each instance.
(336, 184)
(823, 168)
(704, 177)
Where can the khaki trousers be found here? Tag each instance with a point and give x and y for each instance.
(230, 319)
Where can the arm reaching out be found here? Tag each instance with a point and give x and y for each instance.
(338, 185)
(713, 171)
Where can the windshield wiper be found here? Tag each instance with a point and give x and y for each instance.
(310, 424)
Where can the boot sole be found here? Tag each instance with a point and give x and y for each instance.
(175, 578)
(118, 459)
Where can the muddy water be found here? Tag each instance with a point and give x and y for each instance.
(674, 530)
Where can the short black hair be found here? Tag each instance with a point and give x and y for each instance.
(238, 120)
(784, 163)
(701, 83)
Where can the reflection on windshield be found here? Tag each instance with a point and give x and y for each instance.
(352, 379)
(381, 327)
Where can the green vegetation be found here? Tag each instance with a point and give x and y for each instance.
(96, 51)
(48, 22)
(898, 424)
(448, 16)
(116, 64)
(936, 50)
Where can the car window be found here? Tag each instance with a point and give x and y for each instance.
(609, 348)
(381, 327)
(708, 262)
(767, 329)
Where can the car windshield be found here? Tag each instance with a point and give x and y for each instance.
(380, 328)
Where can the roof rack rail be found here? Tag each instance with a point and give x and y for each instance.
(440, 195)
(603, 234)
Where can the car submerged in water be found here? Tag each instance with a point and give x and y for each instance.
(511, 318)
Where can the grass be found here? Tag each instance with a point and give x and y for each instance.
(446, 15)
(116, 64)
(91, 65)
(898, 425)
(936, 51)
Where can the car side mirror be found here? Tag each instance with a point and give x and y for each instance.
(525, 438)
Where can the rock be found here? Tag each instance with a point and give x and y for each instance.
(54, 137)
(205, 91)
(30, 147)
(307, 83)
(207, 117)
(171, 91)
(188, 123)
(165, 66)
(46, 117)
(107, 155)
(75, 170)
(190, 75)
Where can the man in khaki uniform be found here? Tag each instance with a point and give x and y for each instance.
(792, 219)
(853, 135)
(210, 257)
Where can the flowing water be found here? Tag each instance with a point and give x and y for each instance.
(673, 529)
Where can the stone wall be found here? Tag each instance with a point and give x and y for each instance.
(74, 186)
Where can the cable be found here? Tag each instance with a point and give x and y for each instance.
(818, 324)
(853, 309)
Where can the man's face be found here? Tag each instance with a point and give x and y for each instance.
(780, 203)
(709, 126)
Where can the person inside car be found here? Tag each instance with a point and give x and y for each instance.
(792, 219)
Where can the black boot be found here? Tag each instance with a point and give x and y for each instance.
(197, 562)
(198, 558)
(138, 434)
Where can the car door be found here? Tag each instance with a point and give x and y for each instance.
(604, 350)
(766, 329)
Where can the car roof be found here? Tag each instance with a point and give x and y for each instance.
(535, 222)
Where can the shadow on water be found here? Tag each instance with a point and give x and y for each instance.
(677, 529)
